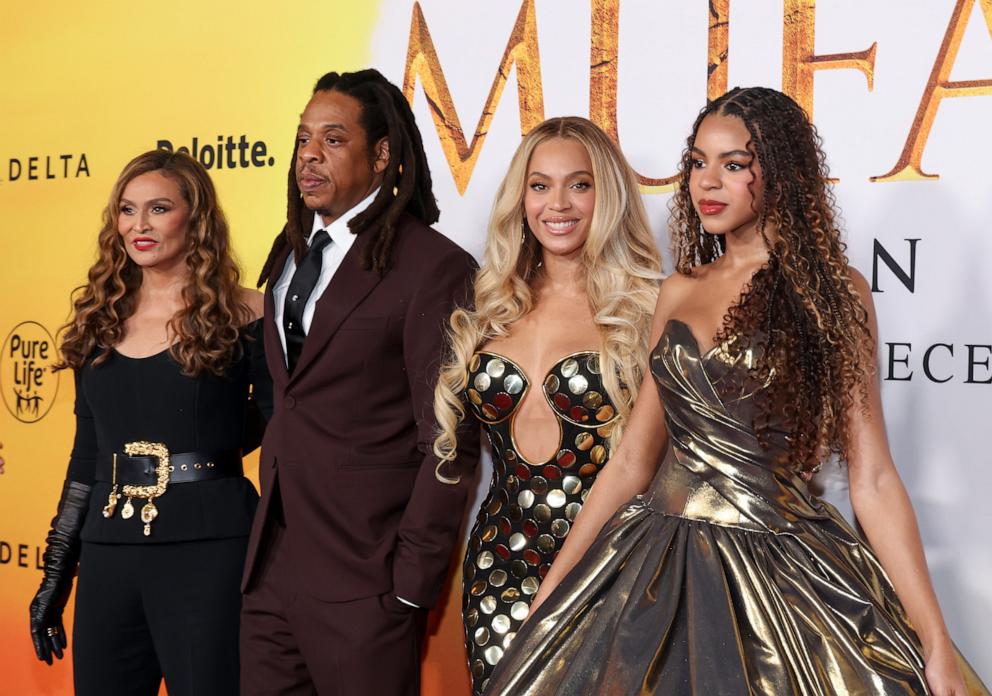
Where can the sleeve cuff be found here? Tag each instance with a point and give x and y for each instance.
(408, 602)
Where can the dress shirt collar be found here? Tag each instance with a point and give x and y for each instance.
(338, 230)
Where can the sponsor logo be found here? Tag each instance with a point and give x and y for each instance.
(44, 167)
(26, 379)
(21, 555)
(229, 152)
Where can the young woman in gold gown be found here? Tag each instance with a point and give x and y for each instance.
(721, 573)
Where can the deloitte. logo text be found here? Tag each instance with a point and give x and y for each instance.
(230, 152)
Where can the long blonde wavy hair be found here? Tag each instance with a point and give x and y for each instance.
(208, 328)
(623, 272)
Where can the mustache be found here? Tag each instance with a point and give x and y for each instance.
(303, 171)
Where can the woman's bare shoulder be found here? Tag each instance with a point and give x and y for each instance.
(255, 301)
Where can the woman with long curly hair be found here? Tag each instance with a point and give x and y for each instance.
(162, 343)
(720, 572)
(548, 360)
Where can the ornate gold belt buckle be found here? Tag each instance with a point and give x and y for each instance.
(148, 512)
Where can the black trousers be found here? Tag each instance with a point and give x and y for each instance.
(148, 611)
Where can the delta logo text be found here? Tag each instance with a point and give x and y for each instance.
(47, 167)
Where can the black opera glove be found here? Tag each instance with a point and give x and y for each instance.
(61, 557)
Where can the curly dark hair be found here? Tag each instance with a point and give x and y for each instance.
(801, 309)
(208, 328)
(406, 183)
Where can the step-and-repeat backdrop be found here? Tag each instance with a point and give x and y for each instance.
(901, 92)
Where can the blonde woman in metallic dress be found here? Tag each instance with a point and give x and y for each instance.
(548, 361)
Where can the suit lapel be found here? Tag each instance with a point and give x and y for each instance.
(349, 286)
(274, 353)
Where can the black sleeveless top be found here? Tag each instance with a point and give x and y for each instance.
(128, 399)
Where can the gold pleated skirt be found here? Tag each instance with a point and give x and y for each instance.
(664, 604)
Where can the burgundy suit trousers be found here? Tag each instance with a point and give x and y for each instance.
(293, 644)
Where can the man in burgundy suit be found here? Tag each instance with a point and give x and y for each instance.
(354, 532)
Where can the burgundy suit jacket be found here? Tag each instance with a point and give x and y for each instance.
(349, 444)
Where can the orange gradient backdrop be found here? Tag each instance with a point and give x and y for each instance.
(102, 82)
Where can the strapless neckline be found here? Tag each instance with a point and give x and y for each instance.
(572, 387)
(554, 366)
(700, 353)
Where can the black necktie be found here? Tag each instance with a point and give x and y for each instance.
(300, 288)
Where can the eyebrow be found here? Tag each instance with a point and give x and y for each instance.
(724, 155)
(327, 127)
(154, 200)
(581, 172)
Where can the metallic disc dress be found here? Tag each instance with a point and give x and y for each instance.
(530, 507)
(726, 577)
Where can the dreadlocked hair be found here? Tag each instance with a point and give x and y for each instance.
(801, 310)
(406, 182)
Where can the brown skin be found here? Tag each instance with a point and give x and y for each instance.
(724, 171)
(560, 196)
(885, 513)
(560, 189)
(153, 209)
(152, 220)
(336, 166)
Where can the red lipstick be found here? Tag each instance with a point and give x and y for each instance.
(708, 207)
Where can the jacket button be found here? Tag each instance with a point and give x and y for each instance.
(289, 402)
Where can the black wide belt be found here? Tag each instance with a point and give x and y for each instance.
(184, 467)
